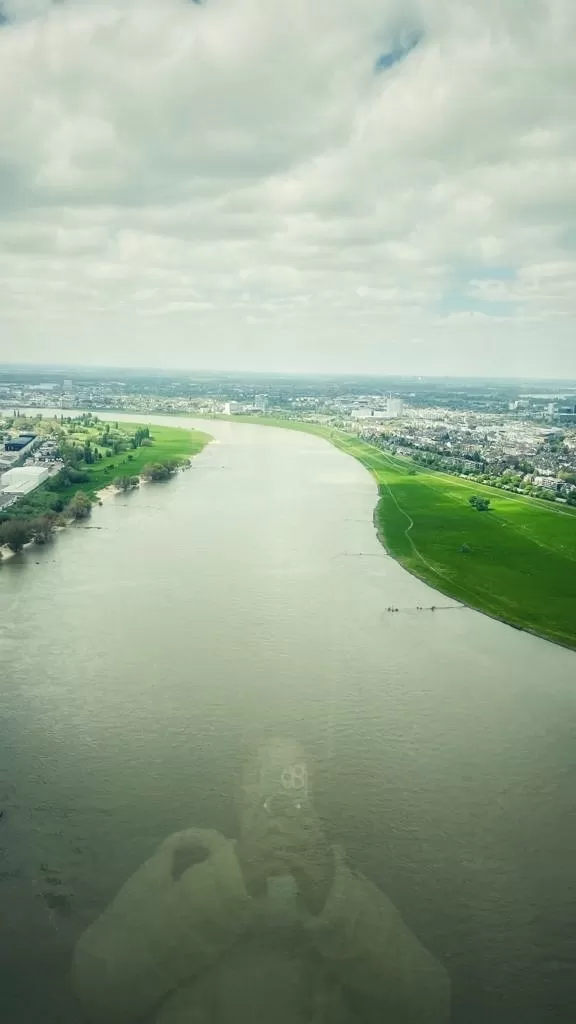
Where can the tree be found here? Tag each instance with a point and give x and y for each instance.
(80, 507)
(160, 470)
(481, 504)
(78, 476)
(126, 483)
(15, 533)
(140, 435)
(465, 549)
(42, 529)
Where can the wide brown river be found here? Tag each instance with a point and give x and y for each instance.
(143, 652)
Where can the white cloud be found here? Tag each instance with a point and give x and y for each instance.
(234, 178)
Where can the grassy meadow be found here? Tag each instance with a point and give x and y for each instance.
(521, 562)
(167, 443)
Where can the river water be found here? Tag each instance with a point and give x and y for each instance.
(142, 653)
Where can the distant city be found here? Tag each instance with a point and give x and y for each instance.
(514, 434)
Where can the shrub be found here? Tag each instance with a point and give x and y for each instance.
(80, 507)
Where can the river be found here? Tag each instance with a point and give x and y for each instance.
(143, 652)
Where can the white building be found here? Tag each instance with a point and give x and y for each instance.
(23, 480)
(394, 408)
(261, 403)
(233, 408)
(551, 482)
(369, 414)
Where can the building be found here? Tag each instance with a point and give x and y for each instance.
(261, 403)
(368, 414)
(233, 408)
(394, 408)
(550, 482)
(18, 444)
(23, 480)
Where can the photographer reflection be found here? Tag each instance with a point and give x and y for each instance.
(272, 927)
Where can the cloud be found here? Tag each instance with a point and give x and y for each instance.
(234, 177)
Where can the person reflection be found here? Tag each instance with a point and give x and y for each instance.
(271, 928)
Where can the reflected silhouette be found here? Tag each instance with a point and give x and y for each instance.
(271, 927)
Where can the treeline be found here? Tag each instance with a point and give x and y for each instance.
(114, 445)
(108, 442)
(18, 531)
(15, 533)
(511, 479)
(126, 483)
(469, 467)
(152, 472)
(156, 471)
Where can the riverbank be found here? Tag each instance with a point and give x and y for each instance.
(515, 562)
(166, 445)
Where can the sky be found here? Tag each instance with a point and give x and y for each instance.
(368, 186)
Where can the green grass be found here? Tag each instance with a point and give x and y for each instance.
(168, 443)
(522, 563)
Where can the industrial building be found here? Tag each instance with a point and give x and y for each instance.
(23, 480)
(18, 444)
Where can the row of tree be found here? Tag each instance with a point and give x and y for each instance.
(17, 531)
(126, 483)
(75, 450)
(152, 471)
(65, 477)
(160, 470)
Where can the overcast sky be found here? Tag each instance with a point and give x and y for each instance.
(315, 185)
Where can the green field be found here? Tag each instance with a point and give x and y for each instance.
(167, 443)
(521, 566)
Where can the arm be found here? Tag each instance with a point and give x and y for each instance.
(361, 936)
(164, 927)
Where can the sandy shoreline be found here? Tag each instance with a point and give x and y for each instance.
(107, 492)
